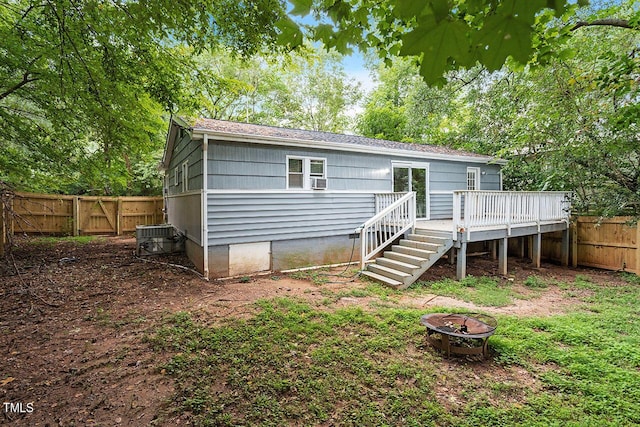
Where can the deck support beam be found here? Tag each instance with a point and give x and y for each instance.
(537, 249)
(461, 255)
(564, 257)
(502, 256)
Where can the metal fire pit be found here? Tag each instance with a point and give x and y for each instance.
(459, 333)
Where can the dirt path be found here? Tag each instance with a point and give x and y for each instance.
(74, 319)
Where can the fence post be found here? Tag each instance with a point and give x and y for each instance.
(574, 242)
(75, 215)
(638, 248)
(119, 216)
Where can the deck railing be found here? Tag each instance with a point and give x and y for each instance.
(383, 200)
(477, 209)
(396, 214)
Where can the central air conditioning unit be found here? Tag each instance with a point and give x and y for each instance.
(158, 239)
(319, 183)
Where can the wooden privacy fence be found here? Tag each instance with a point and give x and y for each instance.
(80, 215)
(607, 243)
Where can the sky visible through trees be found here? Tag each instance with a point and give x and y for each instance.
(86, 88)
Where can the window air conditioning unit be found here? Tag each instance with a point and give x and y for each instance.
(319, 183)
(158, 239)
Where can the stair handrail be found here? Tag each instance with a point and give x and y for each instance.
(386, 226)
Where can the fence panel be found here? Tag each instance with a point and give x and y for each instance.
(42, 213)
(53, 214)
(609, 243)
(140, 211)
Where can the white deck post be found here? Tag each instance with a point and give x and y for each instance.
(461, 267)
(457, 197)
(502, 256)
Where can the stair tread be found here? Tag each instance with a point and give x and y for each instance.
(408, 242)
(418, 259)
(400, 263)
(422, 251)
(389, 270)
(382, 278)
(418, 236)
(436, 233)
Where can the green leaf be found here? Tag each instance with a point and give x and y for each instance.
(503, 36)
(290, 35)
(440, 9)
(339, 11)
(301, 7)
(323, 32)
(408, 9)
(437, 43)
(558, 5)
(523, 10)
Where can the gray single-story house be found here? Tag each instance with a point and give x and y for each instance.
(253, 198)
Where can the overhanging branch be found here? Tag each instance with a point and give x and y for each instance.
(26, 79)
(609, 22)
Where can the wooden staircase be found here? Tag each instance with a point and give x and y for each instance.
(407, 261)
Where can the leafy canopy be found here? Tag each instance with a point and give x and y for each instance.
(84, 84)
(571, 124)
(443, 34)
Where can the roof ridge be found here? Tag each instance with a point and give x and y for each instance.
(261, 130)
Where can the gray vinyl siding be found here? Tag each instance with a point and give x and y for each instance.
(441, 206)
(242, 166)
(447, 177)
(256, 217)
(191, 151)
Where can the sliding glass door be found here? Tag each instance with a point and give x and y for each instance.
(413, 177)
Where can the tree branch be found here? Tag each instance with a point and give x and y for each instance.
(26, 79)
(609, 22)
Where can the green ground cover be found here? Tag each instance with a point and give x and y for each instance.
(296, 363)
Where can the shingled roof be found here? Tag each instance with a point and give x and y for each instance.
(299, 135)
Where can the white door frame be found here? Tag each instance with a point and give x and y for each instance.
(410, 166)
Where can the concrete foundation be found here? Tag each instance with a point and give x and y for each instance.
(285, 255)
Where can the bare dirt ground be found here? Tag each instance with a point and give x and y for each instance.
(74, 317)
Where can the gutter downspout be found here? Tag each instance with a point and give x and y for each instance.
(203, 202)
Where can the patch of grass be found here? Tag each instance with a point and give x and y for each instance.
(535, 282)
(293, 364)
(485, 291)
(77, 240)
(317, 277)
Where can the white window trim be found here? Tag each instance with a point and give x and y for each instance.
(185, 176)
(306, 170)
(477, 177)
(176, 181)
(416, 165)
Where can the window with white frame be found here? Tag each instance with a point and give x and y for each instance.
(473, 178)
(185, 176)
(301, 170)
(176, 176)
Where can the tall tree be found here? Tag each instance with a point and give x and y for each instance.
(85, 82)
(306, 89)
(570, 124)
(316, 93)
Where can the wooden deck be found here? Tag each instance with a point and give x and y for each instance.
(498, 235)
(481, 234)
(477, 216)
